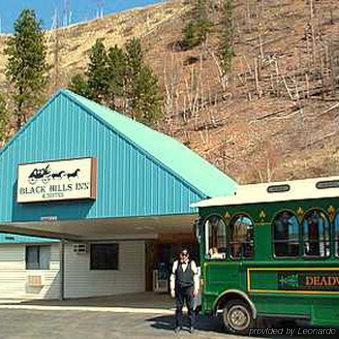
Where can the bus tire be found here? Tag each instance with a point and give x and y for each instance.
(237, 317)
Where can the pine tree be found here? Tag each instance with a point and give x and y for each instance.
(121, 77)
(147, 101)
(117, 67)
(144, 99)
(79, 85)
(190, 39)
(134, 57)
(97, 72)
(134, 62)
(197, 29)
(4, 120)
(26, 67)
(226, 44)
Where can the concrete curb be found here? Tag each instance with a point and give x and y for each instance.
(89, 309)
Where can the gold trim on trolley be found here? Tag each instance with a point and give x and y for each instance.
(250, 290)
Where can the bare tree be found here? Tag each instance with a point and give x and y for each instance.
(172, 75)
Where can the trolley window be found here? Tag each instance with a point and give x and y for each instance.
(286, 235)
(316, 234)
(241, 237)
(336, 233)
(215, 237)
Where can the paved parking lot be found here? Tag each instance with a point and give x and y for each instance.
(15, 323)
(61, 323)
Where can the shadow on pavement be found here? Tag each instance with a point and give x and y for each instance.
(266, 329)
(203, 323)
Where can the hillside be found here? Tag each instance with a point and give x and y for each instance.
(278, 116)
(76, 40)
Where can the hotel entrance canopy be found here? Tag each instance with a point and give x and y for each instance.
(144, 180)
(131, 228)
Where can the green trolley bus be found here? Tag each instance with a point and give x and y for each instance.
(271, 250)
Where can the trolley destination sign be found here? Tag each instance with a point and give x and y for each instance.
(73, 179)
(308, 280)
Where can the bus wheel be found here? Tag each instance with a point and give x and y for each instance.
(237, 317)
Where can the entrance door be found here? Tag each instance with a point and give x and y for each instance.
(162, 254)
(150, 265)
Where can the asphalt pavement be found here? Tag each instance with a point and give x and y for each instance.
(58, 323)
(15, 323)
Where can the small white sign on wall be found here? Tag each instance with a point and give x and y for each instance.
(73, 179)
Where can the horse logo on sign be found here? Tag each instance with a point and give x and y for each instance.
(45, 175)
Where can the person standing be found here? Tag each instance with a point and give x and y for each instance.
(184, 284)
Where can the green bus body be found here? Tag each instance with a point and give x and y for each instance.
(271, 284)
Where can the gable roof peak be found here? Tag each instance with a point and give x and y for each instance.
(176, 158)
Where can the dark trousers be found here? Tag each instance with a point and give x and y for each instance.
(184, 294)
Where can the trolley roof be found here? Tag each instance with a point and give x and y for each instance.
(315, 188)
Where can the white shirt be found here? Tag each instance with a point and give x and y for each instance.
(184, 267)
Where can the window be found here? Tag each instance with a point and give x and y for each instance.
(316, 234)
(215, 229)
(327, 184)
(197, 229)
(9, 238)
(241, 239)
(104, 257)
(286, 235)
(38, 257)
(278, 188)
(336, 234)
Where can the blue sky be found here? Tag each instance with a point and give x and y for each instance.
(79, 10)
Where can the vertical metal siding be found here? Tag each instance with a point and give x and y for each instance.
(129, 182)
(22, 239)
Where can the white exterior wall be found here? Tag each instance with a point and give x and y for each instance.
(14, 276)
(80, 281)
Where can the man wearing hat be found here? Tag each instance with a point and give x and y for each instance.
(184, 284)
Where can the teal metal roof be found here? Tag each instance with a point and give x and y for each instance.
(140, 172)
(21, 239)
(184, 162)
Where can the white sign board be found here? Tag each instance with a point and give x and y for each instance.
(57, 180)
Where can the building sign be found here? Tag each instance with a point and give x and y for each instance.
(57, 180)
(309, 280)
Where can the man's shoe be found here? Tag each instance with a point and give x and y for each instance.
(191, 330)
(177, 329)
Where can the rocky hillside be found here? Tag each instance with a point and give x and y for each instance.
(277, 115)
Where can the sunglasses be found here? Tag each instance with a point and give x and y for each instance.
(184, 254)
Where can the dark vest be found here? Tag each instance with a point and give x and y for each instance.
(184, 278)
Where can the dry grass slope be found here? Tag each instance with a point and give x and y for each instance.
(278, 116)
(76, 40)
